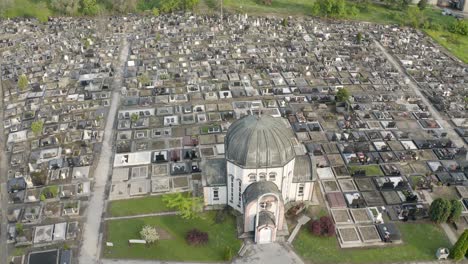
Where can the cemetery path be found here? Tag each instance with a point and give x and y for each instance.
(452, 135)
(3, 180)
(90, 248)
(139, 216)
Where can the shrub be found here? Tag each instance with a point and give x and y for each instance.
(455, 211)
(422, 4)
(460, 248)
(322, 227)
(459, 27)
(439, 211)
(196, 237)
(19, 229)
(149, 234)
(327, 226)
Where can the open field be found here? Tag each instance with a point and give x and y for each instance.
(136, 206)
(420, 243)
(175, 248)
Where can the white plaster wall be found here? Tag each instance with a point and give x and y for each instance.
(208, 194)
(294, 191)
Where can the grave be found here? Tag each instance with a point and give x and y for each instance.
(341, 216)
(369, 234)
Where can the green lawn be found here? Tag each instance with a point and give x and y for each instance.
(281, 7)
(176, 249)
(371, 170)
(145, 205)
(28, 8)
(420, 244)
(456, 44)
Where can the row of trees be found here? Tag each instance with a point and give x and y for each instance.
(443, 210)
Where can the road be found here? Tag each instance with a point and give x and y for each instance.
(449, 128)
(90, 248)
(3, 180)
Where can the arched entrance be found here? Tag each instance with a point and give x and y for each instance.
(264, 235)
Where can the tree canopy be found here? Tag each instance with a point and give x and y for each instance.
(460, 248)
(439, 211)
(37, 126)
(89, 7)
(188, 207)
(23, 82)
(342, 95)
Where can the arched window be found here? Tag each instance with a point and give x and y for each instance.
(252, 177)
(262, 176)
(272, 176)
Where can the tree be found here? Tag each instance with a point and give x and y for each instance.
(134, 117)
(439, 211)
(422, 4)
(89, 7)
(415, 17)
(331, 8)
(188, 207)
(460, 249)
(67, 7)
(149, 234)
(359, 37)
(155, 11)
(455, 211)
(284, 22)
(23, 82)
(37, 126)
(267, 2)
(342, 95)
(144, 78)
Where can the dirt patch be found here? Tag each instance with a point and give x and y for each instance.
(163, 234)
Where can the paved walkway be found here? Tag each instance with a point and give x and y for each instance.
(3, 179)
(139, 216)
(300, 222)
(274, 253)
(90, 249)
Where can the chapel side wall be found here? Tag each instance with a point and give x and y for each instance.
(208, 194)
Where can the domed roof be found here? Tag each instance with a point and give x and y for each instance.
(257, 142)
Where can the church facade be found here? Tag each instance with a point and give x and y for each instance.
(260, 174)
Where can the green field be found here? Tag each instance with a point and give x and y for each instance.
(28, 8)
(145, 205)
(420, 244)
(175, 248)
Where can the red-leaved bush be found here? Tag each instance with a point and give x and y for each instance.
(322, 227)
(196, 237)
